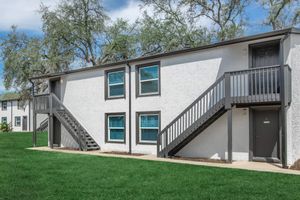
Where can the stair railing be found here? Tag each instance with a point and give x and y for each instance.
(43, 125)
(256, 85)
(58, 105)
(200, 108)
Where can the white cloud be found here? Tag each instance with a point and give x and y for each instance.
(23, 13)
(131, 12)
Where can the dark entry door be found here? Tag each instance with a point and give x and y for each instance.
(266, 133)
(264, 55)
(55, 87)
(24, 123)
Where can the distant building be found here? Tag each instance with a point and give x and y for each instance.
(17, 113)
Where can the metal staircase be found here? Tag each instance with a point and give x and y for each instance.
(244, 88)
(79, 134)
(43, 125)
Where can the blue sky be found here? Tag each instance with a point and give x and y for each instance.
(23, 13)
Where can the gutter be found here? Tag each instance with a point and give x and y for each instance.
(129, 107)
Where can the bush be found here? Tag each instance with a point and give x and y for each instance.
(4, 127)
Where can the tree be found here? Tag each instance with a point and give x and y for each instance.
(77, 25)
(169, 28)
(23, 57)
(281, 13)
(227, 16)
(119, 42)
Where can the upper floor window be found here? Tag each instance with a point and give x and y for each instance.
(17, 121)
(115, 127)
(115, 87)
(3, 119)
(148, 127)
(4, 105)
(148, 79)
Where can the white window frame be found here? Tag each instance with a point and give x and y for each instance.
(114, 84)
(108, 128)
(19, 124)
(148, 80)
(149, 128)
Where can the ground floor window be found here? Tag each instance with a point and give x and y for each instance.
(115, 127)
(17, 121)
(148, 127)
(3, 119)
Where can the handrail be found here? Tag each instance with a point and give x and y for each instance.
(195, 101)
(253, 69)
(42, 94)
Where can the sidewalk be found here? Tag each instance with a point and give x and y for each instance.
(255, 166)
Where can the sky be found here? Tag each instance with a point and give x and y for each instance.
(24, 14)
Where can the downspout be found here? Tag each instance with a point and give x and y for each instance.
(283, 107)
(33, 114)
(129, 107)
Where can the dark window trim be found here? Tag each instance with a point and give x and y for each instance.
(137, 79)
(259, 44)
(106, 128)
(137, 128)
(3, 120)
(2, 107)
(106, 83)
(16, 121)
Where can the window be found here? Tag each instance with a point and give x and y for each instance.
(115, 127)
(148, 79)
(17, 121)
(115, 84)
(3, 119)
(148, 127)
(4, 105)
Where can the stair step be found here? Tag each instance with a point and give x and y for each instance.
(92, 148)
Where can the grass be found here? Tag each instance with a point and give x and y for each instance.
(27, 174)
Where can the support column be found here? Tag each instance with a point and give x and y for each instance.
(51, 121)
(228, 107)
(34, 129)
(51, 130)
(229, 133)
(284, 104)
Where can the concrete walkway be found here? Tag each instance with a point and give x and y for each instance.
(254, 166)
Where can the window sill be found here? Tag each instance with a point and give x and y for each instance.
(147, 143)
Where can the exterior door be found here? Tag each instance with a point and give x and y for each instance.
(55, 87)
(263, 55)
(24, 123)
(266, 134)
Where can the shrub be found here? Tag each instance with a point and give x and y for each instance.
(4, 127)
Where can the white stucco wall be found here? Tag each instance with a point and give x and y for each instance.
(183, 78)
(13, 111)
(212, 142)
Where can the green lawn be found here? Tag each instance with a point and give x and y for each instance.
(27, 174)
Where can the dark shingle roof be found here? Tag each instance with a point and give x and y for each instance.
(9, 96)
